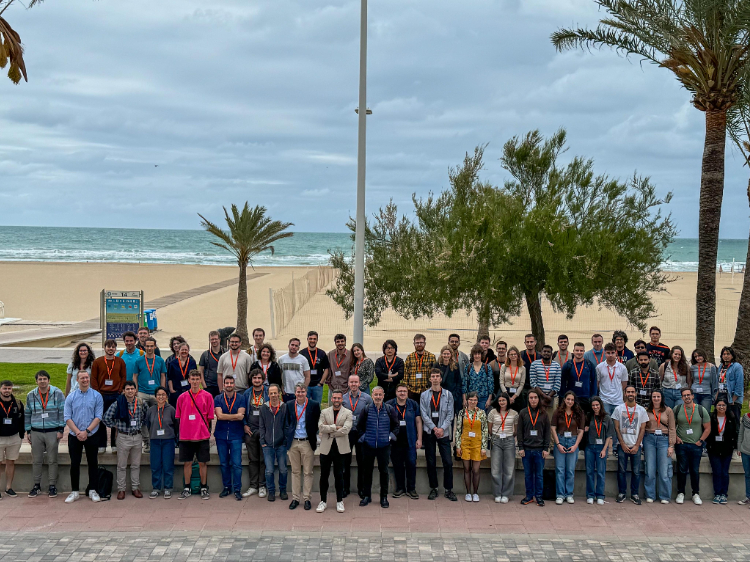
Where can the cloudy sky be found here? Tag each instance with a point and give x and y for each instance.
(144, 113)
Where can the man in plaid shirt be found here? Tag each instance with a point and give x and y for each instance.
(417, 368)
(644, 379)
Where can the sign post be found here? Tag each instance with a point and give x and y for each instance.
(121, 311)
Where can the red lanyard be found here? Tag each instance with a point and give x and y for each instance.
(299, 416)
(692, 413)
(338, 363)
(109, 370)
(721, 427)
(566, 357)
(257, 399)
(578, 373)
(277, 409)
(513, 375)
(420, 359)
(212, 355)
(403, 414)
(440, 395)
(546, 371)
(314, 359)
(674, 372)
(612, 372)
(354, 406)
(723, 376)
(160, 415)
(185, 371)
(630, 418)
(568, 419)
(151, 368)
(387, 366)
(195, 403)
(265, 367)
(702, 374)
(643, 383)
(658, 420)
(233, 360)
(598, 427)
(135, 408)
(356, 367)
(227, 402)
(502, 418)
(472, 419)
(533, 422)
(44, 400)
(10, 407)
(601, 356)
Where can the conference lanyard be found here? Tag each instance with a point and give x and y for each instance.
(568, 420)
(160, 416)
(8, 410)
(513, 375)
(338, 363)
(314, 359)
(643, 383)
(533, 422)
(703, 373)
(471, 419)
(185, 370)
(257, 399)
(598, 358)
(631, 418)
(233, 360)
(578, 373)
(598, 427)
(110, 369)
(44, 400)
(692, 413)
(151, 368)
(227, 402)
(546, 371)
(353, 407)
(135, 409)
(440, 395)
(302, 413)
(387, 366)
(612, 372)
(502, 420)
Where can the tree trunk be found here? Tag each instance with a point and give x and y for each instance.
(534, 304)
(242, 307)
(741, 342)
(712, 193)
(484, 322)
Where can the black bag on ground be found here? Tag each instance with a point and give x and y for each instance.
(549, 486)
(104, 488)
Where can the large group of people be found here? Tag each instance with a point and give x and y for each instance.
(648, 405)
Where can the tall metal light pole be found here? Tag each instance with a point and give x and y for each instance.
(359, 234)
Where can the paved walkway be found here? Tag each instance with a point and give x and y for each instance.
(348, 547)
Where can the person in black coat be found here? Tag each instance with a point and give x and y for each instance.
(301, 428)
(721, 444)
(389, 369)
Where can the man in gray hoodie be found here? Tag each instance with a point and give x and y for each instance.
(273, 441)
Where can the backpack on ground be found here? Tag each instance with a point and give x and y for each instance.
(104, 486)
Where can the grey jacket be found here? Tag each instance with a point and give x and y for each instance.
(445, 411)
(272, 427)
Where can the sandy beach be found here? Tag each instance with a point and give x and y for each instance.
(69, 292)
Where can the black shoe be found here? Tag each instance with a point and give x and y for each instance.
(526, 501)
(451, 496)
(225, 492)
(384, 502)
(283, 495)
(308, 505)
(433, 494)
(344, 494)
(10, 493)
(361, 494)
(238, 496)
(540, 502)
(399, 494)
(294, 504)
(620, 498)
(413, 494)
(635, 499)
(35, 491)
(52, 492)
(271, 496)
(364, 501)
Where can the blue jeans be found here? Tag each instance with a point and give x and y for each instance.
(272, 455)
(746, 467)
(315, 393)
(596, 469)
(565, 467)
(720, 470)
(230, 457)
(622, 471)
(610, 408)
(688, 462)
(655, 448)
(704, 400)
(533, 464)
(162, 464)
(672, 396)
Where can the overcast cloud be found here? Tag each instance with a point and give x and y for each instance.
(143, 113)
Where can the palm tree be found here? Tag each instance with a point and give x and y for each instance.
(705, 45)
(249, 233)
(10, 45)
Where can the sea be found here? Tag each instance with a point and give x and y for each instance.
(64, 244)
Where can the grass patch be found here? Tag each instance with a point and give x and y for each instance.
(22, 376)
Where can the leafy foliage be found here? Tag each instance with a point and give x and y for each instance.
(11, 50)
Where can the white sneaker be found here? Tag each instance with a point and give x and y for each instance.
(340, 507)
(321, 507)
(102, 450)
(114, 449)
(679, 499)
(600, 501)
(504, 499)
(570, 499)
(94, 496)
(72, 497)
(498, 499)
(559, 501)
(467, 497)
(665, 502)
(590, 501)
(249, 492)
(262, 493)
(475, 497)
(649, 500)
(697, 499)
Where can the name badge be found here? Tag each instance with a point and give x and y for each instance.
(699, 389)
(533, 432)
(159, 432)
(472, 434)
(402, 423)
(722, 386)
(152, 382)
(419, 375)
(7, 421)
(631, 431)
(184, 383)
(511, 390)
(436, 415)
(354, 419)
(547, 386)
(600, 441)
(45, 415)
(109, 382)
(256, 412)
(658, 432)
(567, 434)
(689, 431)
(191, 417)
(313, 371)
(337, 373)
(132, 423)
(643, 392)
(677, 385)
(502, 435)
(720, 438)
(579, 384)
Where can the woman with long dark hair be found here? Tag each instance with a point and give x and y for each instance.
(567, 423)
(675, 376)
(82, 360)
(501, 423)
(658, 448)
(600, 433)
(451, 374)
(267, 364)
(512, 378)
(478, 378)
(731, 381)
(363, 367)
(704, 377)
(721, 444)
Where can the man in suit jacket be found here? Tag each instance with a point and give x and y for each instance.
(334, 426)
(302, 416)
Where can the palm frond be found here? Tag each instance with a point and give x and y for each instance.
(10, 47)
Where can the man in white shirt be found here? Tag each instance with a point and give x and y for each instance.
(630, 421)
(612, 377)
(235, 362)
(295, 369)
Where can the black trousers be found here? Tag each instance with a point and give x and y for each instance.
(75, 449)
(357, 453)
(404, 461)
(101, 435)
(337, 460)
(382, 455)
(444, 446)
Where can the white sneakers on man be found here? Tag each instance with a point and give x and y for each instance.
(498, 499)
(697, 499)
(321, 507)
(600, 501)
(72, 497)
(262, 493)
(680, 498)
(559, 501)
(504, 499)
(249, 492)
(590, 501)
(94, 496)
(570, 499)
(340, 507)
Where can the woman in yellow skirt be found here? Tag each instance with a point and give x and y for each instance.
(471, 443)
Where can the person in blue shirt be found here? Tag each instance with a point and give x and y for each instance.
(579, 376)
(731, 381)
(150, 374)
(620, 338)
(229, 433)
(595, 355)
(130, 354)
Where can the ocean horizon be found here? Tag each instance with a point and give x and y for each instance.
(121, 245)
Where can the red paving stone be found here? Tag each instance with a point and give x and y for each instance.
(404, 516)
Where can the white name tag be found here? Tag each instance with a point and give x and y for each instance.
(45, 415)
(152, 382)
(643, 392)
(567, 434)
(191, 417)
(631, 431)
(677, 385)
(402, 423)
(547, 386)
(419, 375)
(436, 414)
(657, 432)
(313, 371)
(533, 432)
(579, 384)
(689, 431)
(472, 434)
(600, 441)
(256, 412)
(354, 419)
(722, 386)
(159, 432)
(184, 383)
(720, 438)
(502, 435)
(7, 421)
(511, 390)
(132, 423)
(109, 382)
(699, 389)
(337, 373)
